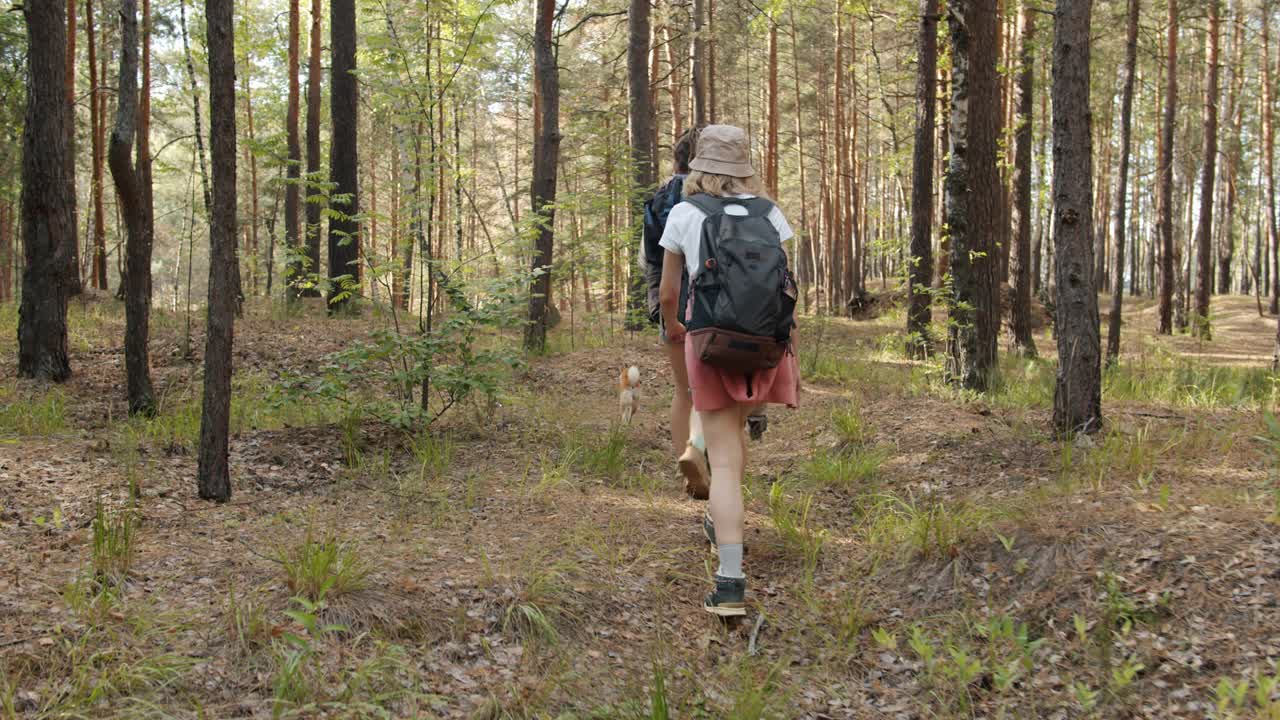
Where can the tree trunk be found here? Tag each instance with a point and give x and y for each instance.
(699, 72)
(546, 159)
(641, 143)
(807, 263)
(1121, 194)
(1020, 255)
(214, 474)
(1164, 178)
(296, 251)
(314, 195)
(1204, 227)
(1235, 117)
(712, 99)
(344, 231)
(254, 210)
(920, 271)
(134, 206)
(1077, 396)
(48, 178)
(971, 193)
(771, 142)
(96, 132)
(74, 286)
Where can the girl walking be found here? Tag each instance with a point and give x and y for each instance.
(722, 190)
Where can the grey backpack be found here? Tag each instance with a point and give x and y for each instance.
(742, 297)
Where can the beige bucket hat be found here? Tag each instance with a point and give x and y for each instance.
(723, 150)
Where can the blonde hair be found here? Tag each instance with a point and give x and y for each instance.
(718, 185)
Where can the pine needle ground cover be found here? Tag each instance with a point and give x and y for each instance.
(914, 552)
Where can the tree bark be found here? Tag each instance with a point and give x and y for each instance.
(48, 228)
(771, 133)
(1077, 396)
(1164, 178)
(134, 206)
(1235, 118)
(546, 159)
(807, 264)
(254, 207)
(293, 172)
(1020, 255)
(1204, 226)
(1121, 194)
(96, 132)
(971, 194)
(920, 272)
(699, 59)
(74, 286)
(344, 231)
(641, 144)
(214, 473)
(314, 195)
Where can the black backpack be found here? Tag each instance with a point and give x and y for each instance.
(656, 211)
(743, 295)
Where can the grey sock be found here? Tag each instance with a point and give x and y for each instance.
(730, 561)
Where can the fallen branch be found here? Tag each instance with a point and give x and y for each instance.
(755, 633)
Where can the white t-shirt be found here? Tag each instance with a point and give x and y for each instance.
(683, 234)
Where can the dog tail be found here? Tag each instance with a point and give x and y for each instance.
(631, 377)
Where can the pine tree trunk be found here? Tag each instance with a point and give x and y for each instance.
(712, 99)
(254, 212)
(214, 473)
(1204, 228)
(1077, 397)
(344, 166)
(74, 285)
(1235, 117)
(546, 158)
(641, 145)
(96, 132)
(48, 178)
(314, 194)
(771, 142)
(807, 262)
(920, 274)
(293, 172)
(971, 193)
(673, 83)
(699, 59)
(135, 207)
(1020, 260)
(1268, 163)
(1120, 196)
(1164, 178)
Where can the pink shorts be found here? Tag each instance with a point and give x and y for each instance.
(716, 389)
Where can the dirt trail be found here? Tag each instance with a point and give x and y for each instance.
(548, 566)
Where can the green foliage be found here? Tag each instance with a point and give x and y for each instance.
(466, 355)
(37, 414)
(297, 678)
(791, 521)
(325, 567)
(113, 543)
(927, 529)
(599, 457)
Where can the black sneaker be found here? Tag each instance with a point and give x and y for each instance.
(756, 425)
(729, 598)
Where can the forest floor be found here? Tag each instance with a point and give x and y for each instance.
(913, 551)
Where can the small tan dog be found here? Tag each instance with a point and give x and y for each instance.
(629, 392)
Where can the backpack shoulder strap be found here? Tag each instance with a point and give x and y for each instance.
(706, 203)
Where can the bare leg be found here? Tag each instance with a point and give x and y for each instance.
(728, 451)
(681, 401)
